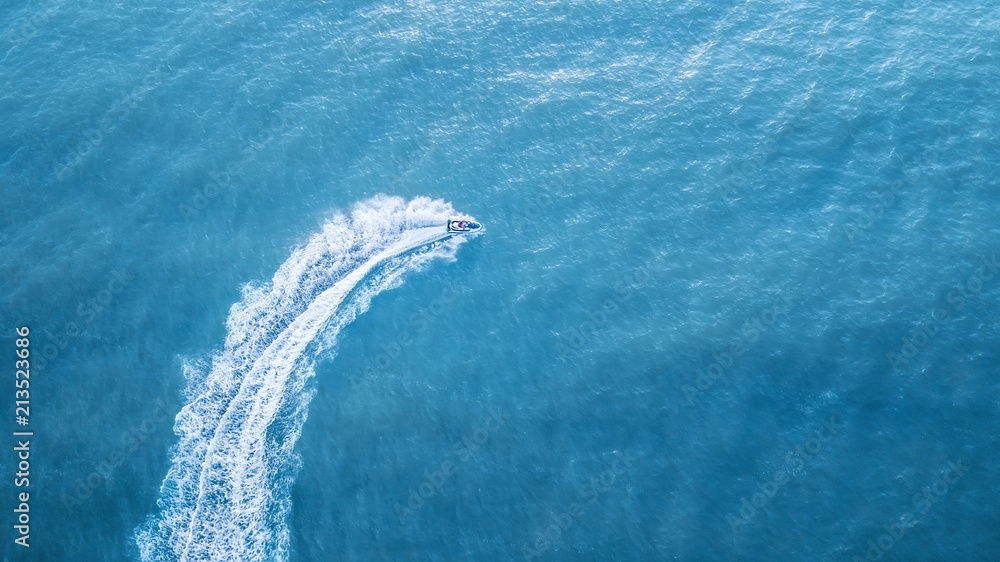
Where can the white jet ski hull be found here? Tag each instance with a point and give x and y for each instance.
(464, 227)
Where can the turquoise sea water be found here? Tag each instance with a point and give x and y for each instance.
(737, 298)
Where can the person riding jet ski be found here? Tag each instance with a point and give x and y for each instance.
(464, 226)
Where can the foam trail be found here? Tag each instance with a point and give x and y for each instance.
(227, 493)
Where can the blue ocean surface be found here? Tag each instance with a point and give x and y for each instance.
(737, 296)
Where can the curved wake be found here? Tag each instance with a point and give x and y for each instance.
(227, 492)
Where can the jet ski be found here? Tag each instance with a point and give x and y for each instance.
(464, 227)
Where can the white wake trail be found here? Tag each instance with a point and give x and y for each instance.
(226, 495)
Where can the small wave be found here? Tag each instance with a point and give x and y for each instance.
(227, 493)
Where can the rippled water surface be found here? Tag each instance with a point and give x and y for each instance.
(736, 299)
